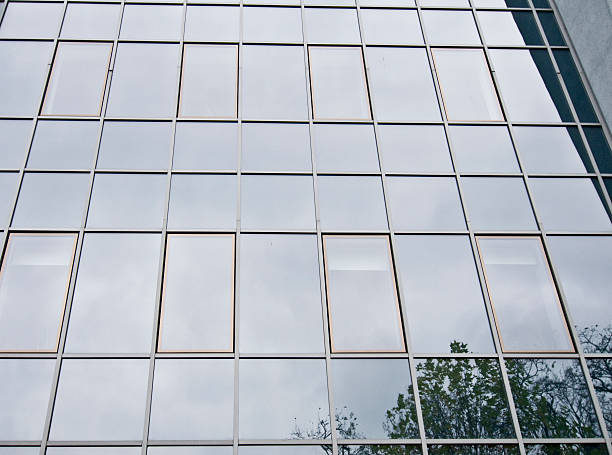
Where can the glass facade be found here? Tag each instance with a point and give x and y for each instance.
(275, 227)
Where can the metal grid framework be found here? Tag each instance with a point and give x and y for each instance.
(422, 441)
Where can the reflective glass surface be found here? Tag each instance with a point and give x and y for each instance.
(272, 25)
(391, 26)
(551, 28)
(189, 450)
(600, 371)
(479, 449)
(482, 149)
(31, 20)
(345, 148)
(8, 188)
(148, 22)
(91, 21)
(335, 26)
(514, 28)
(275, 147)
(92, 450)
(600, 148)
(574, 85)
(450, 27)
(205, 146)
(212, 23)
(553, 449)
(14, 140)
(64, 144)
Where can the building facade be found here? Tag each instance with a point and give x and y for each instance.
(303, 227)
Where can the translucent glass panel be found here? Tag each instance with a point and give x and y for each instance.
(91, 21)
(482, 149)
(527, 310)
(272, 202)
(31, 20)
(437, 206)
(438, 277)
(127, 201)
(78, 78)
(209, 83)
(135, 145)
(274, 83)
(23, 75)
(33, 289)
(362, 298)
(64, 144)
(280, 294)
(283, 399)
(275, 147)
(529, 86)
(552, 399)
(144, 82)
(100, 399)
(192, 399)
(450, 27)
(272, 25)
(569, 204)
(114, 297)
(583, 267)
(509, 28)
(332, 26)
(51, 200)
(339, 88)
(466, 85)
(212, 23)
(14, 140)
(205, 146)
(401, 85)
(8, 187)
(345, 148)
(463, 399)
(391, 26)
(352, 203)
(151, 22)
(203, 202)
(25, 393)
(497, 204)
(198, 294)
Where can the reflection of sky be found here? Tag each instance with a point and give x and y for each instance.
(93, 450)
(187, 450)
(278, 397)
(280, 450)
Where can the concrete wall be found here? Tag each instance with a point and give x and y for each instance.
(589, 24)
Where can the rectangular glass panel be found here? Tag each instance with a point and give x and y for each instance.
(514, 28)
(151, 22)
(332, 26)
(338, 83)
(275, 147)
(601, 375)
(212, 23)
(272, 25)
(450, 27)
(91, 21)
(197, 312)
(8, 187)
(362, 298)
(466, 85)
(205, 146)
(525, 303)
(14, 140)
(482, 149)
(345, 148)
(209, 81)
(33, 288)
(31, 20)
(391, 26)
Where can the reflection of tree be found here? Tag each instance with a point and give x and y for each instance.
(596, 338)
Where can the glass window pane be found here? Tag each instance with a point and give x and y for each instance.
(450, 27)
(569, 204)
(438, 277)
(277, 202)
(552, 399)
(345, 148)
(151, 22)
(203, 202)
(463, 399)
(135, 145)
(524, 299)
(583, 268)
(338, 83)
(212, 23)
(144, 80)
(362, 298)
(391, 26)
(497, 204)
(529, 85)
(23, 75)
(332, 26)
(352, 203)
(466, 85)
(101, 399)
(91, 21)
(190, 450)
(51, 200)
(198, 295)
(551, 150)
(64, 144)
(93, 450)
(33, 289)
(8, 187)
(31, 20)
(401, 85)
(274, 83)
(128, 201)
(436, 208)
(482, 149)
(575, 88)
(551, 28)
(283, 399)
(14, 141)
(600, 148)
(25, 393)
(369, 394)
(272, 25)
(514, 28)
(209, 81)
(414, 148)
(280, 303)
(192, 399)
(275, 147)
(205, 146)
(114, 297)
(444, 3)
(283, 450)
(544, 449)
(473, 449)
(601, 376)
(20, 450)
